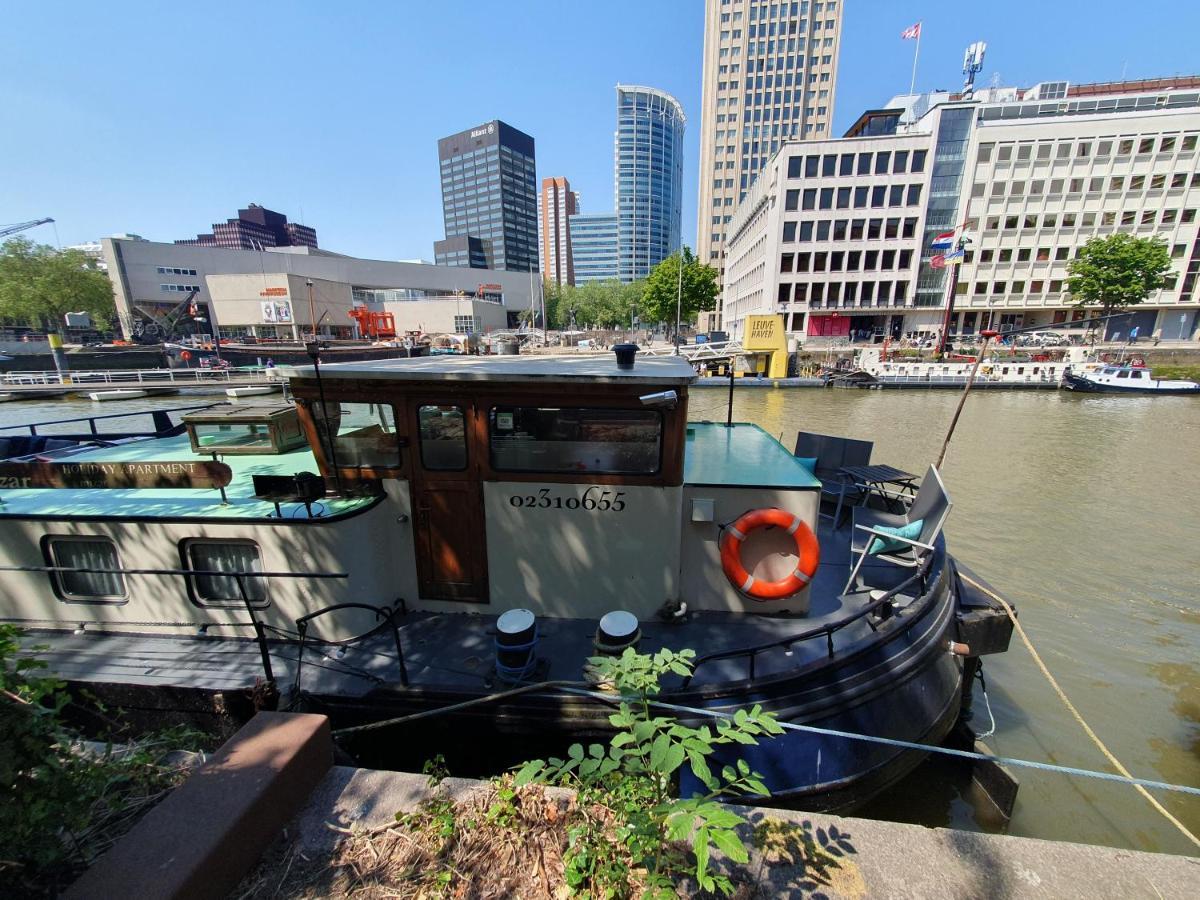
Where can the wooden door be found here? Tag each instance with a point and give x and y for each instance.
(448, 522)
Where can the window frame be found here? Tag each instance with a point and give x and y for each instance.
(48, 541)
(193, 588)
(505, 474)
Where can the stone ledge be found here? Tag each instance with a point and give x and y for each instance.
(213, 828)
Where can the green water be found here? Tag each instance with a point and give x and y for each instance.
(1082, 510)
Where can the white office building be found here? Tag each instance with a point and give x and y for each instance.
(279, 292)
(1028, 175)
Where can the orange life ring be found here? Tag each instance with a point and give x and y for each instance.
(185, 355)
(807, 549)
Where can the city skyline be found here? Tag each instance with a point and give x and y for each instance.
(104, 148)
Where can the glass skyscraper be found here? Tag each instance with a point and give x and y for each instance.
(594, 247)
(489, 199)
(649, 179)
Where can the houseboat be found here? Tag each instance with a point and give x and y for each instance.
(412, 534)
(874, 368)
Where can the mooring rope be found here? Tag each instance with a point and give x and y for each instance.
(1137, 783)
(906, 745)
(574, 687)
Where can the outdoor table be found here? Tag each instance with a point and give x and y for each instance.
(874, 480)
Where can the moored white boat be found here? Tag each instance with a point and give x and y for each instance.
(102, 396)
(257, 391)
(1126, 380)
(872, 369)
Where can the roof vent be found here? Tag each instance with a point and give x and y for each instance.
(625, 354)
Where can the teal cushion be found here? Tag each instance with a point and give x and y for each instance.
(912, 531)
(809, 462)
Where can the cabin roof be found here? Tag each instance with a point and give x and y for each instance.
(741, 456)
(665, 370)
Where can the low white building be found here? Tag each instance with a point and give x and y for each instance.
(248, 293)
(827, 236)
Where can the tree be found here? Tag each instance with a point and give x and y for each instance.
(661, 289)
(1117, 271)
(39, 285)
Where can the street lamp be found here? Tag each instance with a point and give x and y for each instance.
(312, 309)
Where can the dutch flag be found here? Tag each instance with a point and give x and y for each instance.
(943, 241)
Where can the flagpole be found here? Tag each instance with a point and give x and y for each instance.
(912, 85)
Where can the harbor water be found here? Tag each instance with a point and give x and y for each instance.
(1083, 511)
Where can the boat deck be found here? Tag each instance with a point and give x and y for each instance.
(173, 503)
(455, 652)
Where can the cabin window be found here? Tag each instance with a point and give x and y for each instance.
(242, 435)
(1123, 374)
(1139, 374)
(224, 556)
(366, 433)
(86, 553)
(603, 441)
(443, 438)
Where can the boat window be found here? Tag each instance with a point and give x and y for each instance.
(1110, 371)
(86, 553)
(1139, 374)
(224, 556)
(608, 441)
(1123, 373)
(366, 433)
(443, 437)
(243, 435)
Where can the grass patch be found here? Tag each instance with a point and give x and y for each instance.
(1176, 373)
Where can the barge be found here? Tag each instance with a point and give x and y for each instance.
(413, 534)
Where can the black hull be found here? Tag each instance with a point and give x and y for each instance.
(905, 686)
(1087, 386)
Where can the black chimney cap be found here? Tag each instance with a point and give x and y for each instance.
(625, 354)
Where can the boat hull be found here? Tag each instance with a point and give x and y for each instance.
(907, 687)
(1088, 386)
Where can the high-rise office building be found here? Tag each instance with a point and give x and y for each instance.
(489, 199)
(256, 228)
(840, 237)
(594, 247)
(649, 178)
(559, 204)
(770, 72)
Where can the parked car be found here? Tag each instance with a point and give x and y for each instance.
(1045, 339)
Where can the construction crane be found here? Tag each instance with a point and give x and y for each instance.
(6, 230)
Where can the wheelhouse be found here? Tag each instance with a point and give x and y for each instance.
(566, 486)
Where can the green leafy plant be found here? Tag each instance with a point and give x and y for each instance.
(65, 802)
(631, 786)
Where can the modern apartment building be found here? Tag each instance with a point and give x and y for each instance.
(769, 76)
(489, 199)
(649, 178)
(559, 204)
(256, 228)
(594, 247)
(836, 234)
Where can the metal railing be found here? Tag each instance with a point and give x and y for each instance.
(242, 374)
(260, 634)
(160, 418)
(826, 631)
(700, 352)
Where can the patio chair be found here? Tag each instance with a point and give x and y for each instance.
(831, 454)
(930, 506)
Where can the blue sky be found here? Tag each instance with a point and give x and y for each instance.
(160, 118)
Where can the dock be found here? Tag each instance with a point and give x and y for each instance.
(37, 385)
